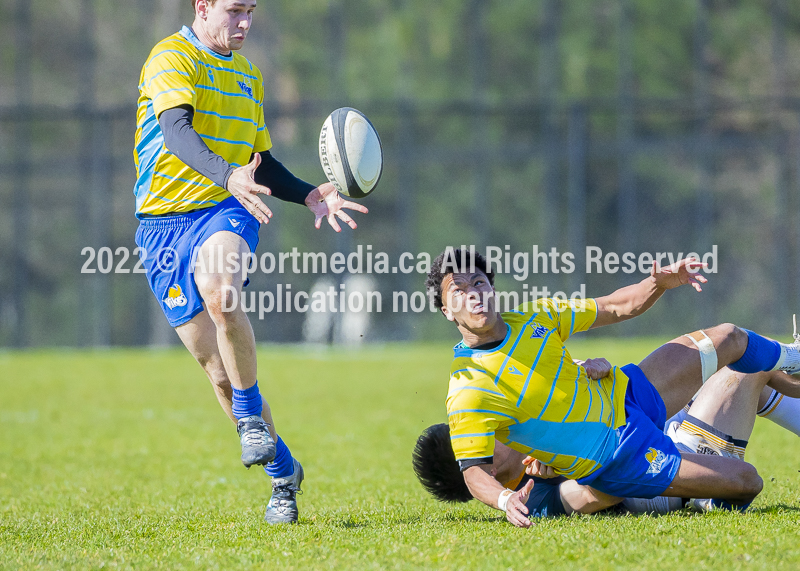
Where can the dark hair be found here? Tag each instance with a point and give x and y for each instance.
(436, 467)
(450, 261)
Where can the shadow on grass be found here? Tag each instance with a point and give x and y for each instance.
(773, 509)
(349, 522)
(471, 517)
(687, 513)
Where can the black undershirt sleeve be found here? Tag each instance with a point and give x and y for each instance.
(183, 141)
(470, 462)
(283, 184)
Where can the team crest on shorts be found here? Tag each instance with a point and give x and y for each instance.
(656, 459)
(175, 297)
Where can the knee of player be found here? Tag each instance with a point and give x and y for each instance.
(731, 333)
(750, 483)
(221, 301)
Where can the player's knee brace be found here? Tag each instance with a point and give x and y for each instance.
(708, 353)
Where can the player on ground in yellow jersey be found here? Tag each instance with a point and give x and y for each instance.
(513, 380)
(718, 421)
(202, 158)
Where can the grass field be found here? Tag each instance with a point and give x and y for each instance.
(123, 459)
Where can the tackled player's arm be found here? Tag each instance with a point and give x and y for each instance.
(584, 499)
(633, 300)
(574, 497)
(484, 487)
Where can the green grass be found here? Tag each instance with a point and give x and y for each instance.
(123, 459)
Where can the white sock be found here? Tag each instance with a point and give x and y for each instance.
(783, 411)
(789, 359)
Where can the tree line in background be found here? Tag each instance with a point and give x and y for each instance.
(624, 124)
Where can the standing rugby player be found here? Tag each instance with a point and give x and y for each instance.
(203, 156)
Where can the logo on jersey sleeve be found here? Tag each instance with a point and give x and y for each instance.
(539, 331)
(656, 458)
(175, 297)
(513, 370)
(245, 88)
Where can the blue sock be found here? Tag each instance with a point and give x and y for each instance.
(247, 402)
(761, 354)
(283, 465)
(726, 505)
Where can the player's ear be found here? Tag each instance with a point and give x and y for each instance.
(448, 314)
(201, 8)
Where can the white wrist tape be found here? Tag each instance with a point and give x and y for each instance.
(708, 353)
(502, 499)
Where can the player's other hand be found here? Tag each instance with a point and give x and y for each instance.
(326, 202)
(516, 511)
(242, 184)
(535, 468)
(682, 272)
(595, 368)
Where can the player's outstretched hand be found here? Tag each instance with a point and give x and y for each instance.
(595, 368)
(686, 271)
(535, 468)
(326, 202)
(242, 184)
(516, 511)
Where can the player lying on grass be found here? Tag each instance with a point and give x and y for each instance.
(513, 380)
(719, 403)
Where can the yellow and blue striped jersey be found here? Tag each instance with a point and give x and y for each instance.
(530, 395)
(227, 94)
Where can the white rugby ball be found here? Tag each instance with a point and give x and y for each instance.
(350, 152)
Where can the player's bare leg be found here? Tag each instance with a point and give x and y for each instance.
(676, 369)
(199, 336)
(720, 421)
(705, 476)
(728, 402)
(220, 288)
(220, 283)
(219, 279)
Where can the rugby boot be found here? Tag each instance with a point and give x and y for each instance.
(258, 447)
(282, 506)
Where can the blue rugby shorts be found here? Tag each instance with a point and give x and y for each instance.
(645, 460)
(168, 246)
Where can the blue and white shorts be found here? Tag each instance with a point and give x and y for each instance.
(170, 243)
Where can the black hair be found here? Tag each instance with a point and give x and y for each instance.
(436, 466)
(453, 261)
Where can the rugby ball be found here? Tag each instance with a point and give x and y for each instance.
(350, 152)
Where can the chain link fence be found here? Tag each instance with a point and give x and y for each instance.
(537, 178)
